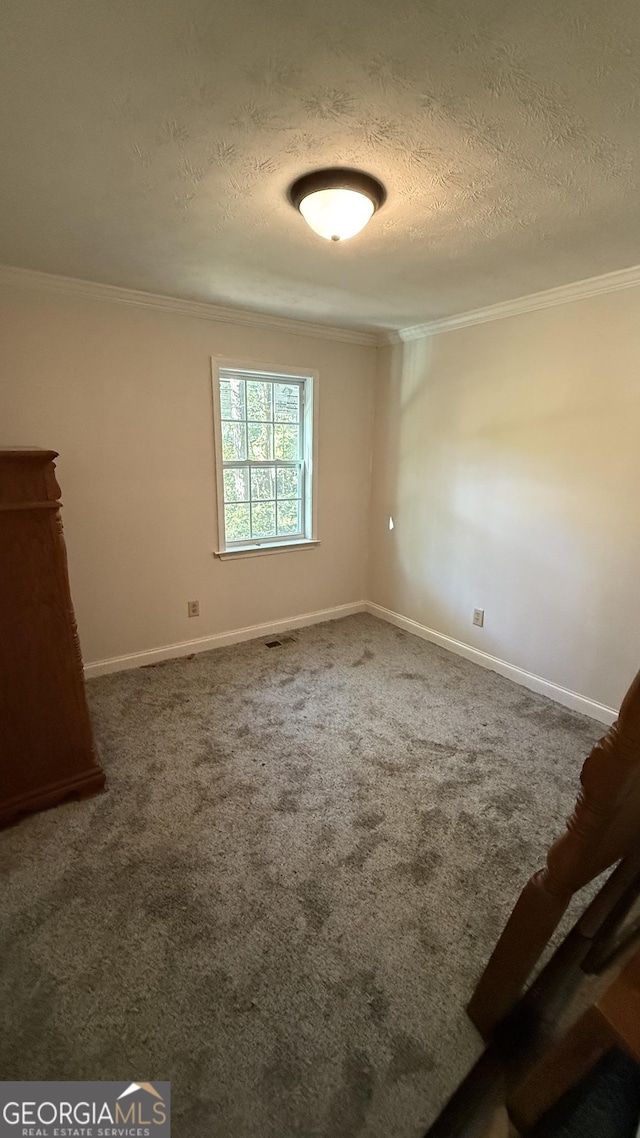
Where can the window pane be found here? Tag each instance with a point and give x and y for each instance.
(288, 482)
(233, 442)
(237, 523)
(260, 441)
(286, 398)
(287, 441)
(288, 517)
(236, 485)
(259, 400)
(263, 519)
(263, 483)
(232, 405)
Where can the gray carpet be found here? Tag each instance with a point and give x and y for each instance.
(281, 905)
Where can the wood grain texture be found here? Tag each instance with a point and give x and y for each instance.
(46, 743)
(603, 829)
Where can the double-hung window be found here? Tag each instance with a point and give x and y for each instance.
(264, 458)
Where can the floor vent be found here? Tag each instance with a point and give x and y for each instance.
(279, 643)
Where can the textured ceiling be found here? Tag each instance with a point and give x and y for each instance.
(150, 143)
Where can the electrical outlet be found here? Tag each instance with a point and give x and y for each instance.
(478, 617)
(193, 608)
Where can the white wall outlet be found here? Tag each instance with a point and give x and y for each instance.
(478, 617)
(193, 608)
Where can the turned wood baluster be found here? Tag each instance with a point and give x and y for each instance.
(604, 827)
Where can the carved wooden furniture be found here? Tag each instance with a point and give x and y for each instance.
(46, 742)
(603, 830)
(614, 1021)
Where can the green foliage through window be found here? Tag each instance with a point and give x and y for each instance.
(262, 456)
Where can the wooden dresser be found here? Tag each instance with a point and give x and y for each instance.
(46, 742)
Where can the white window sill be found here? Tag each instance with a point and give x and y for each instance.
(258, 550)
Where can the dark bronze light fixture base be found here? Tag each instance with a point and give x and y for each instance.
(337, 178)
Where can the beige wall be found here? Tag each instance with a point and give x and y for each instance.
(509, 456)
(124, 394)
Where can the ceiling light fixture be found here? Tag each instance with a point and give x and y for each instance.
(337, 203)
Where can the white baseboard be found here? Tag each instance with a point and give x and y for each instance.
(528, 680)
(219, 640)
(255, 631)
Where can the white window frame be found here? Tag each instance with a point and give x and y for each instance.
(309, 382)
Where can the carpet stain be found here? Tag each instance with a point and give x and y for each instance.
(287, 803)
(368, 821)
(422, 868)
(315, 904)
(409, 1058)
(375, 996)
(364, 847)
(327, 836)
(348, 1111)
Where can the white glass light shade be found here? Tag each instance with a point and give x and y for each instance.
(336, 213)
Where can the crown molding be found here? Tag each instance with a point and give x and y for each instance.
(564, 294)
(49, 282)
(579, 290)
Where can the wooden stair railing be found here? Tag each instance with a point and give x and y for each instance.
(603, 830)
